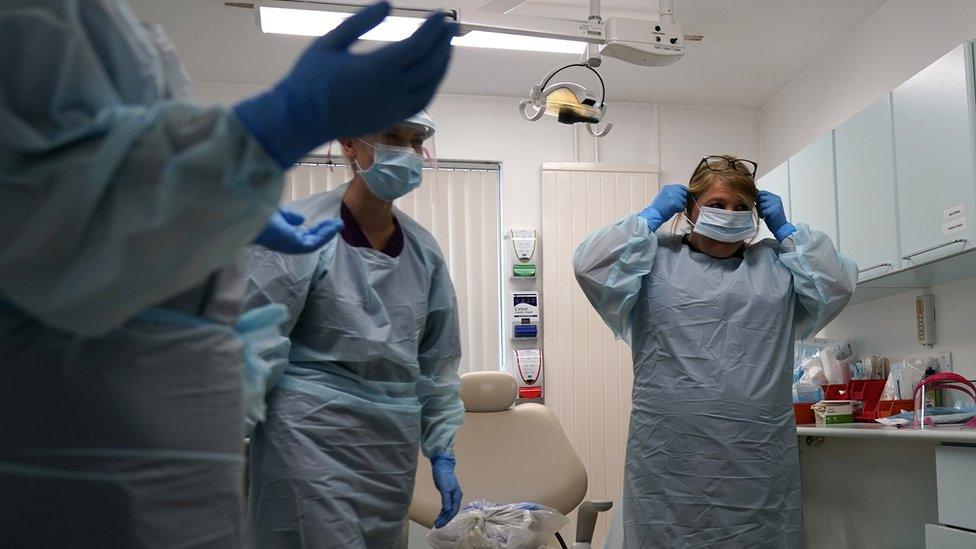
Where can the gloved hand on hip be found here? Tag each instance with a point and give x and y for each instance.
(332, 92)
(669, 201)
(772, 212)
(447, 484)
(284, 233)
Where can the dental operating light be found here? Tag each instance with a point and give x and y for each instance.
(568, 102)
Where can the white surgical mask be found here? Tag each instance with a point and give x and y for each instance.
(395, 172)
(724, 225)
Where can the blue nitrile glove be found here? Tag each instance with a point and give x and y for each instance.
(284, 233)
(771, 210)
(333, 93)
(669, 201)
(447, 484)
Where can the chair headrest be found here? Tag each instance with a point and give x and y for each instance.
(488, 391)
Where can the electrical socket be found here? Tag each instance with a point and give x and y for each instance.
(945, 361)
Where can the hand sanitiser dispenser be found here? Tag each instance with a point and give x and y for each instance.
(525, 315)
(528, 368)
(523, 248)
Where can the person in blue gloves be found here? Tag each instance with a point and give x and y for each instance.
(123, 204)
(711, 320)
(365, 374)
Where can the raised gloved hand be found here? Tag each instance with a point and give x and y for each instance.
(772, 212)
(447, 484)
(669, 201)
(334, 93)
(284, 233)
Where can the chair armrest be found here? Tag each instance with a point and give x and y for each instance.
(586, 517)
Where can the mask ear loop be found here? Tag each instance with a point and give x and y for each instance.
(755, 213)
(688, 218)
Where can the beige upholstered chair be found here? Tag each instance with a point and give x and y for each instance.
(509, 454)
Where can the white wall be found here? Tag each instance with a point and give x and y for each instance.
(688, 133)
(887, 326)
(490, 128)
(897, 41)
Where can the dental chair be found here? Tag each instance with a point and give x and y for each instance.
(509, 454)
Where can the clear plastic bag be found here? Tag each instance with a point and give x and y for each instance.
(804, 351)
(807, 393)
(483, 525)
(837, 364)
(902, 379)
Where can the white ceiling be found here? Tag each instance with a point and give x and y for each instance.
(752, 48)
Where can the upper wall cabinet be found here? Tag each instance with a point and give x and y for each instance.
(934, 157)
(813, 197)
(866, 205)
(777, 181)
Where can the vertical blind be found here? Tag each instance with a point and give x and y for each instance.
(460, 207)
(589, 375)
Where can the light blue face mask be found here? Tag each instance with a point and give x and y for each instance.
(724, 225)
(395, 172)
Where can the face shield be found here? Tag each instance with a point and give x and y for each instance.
(423, 123)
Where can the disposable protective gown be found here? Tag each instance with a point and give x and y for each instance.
(366, 373)
(121, 347)
(711, 455)
(117, 192)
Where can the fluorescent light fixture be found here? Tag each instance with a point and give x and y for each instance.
(316, 22)
(502, 41)
(306, 22)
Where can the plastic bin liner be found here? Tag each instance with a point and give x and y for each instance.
(483, 525)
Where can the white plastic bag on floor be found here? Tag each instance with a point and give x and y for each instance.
(483, 525)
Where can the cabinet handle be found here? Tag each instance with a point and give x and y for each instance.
(936, 247)
(873, 267)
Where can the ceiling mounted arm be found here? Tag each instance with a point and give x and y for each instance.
(654, 42)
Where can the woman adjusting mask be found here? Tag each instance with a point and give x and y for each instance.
(711, 454)
(722, 206)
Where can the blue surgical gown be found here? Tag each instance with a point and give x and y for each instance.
(711, 454)
(115, 192)
(122, 207)
(367, 373)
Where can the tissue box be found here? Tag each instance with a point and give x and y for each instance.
(833, 412)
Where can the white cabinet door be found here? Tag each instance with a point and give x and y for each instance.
(933, 114)
(813, 191)
(777, 181)
(866, 207)
(940, 537)
(954, 466)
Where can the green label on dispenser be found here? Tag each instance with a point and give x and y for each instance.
(524, 270)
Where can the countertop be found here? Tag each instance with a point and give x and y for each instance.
(948, 433)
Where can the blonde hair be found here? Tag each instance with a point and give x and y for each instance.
(742, 185)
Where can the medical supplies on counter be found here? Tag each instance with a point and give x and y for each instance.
(930, 416)
(826, 370)
(818, 363)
